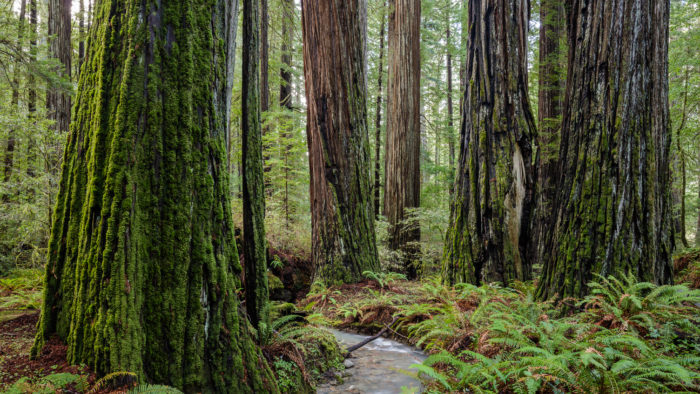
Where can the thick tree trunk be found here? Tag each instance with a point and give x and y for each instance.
(378, 118)
(450, 111)
(550, 96)
(342, 217)
(487, 238)
(254, 244)
(612, 210)
(11, 141)
(143, 267)
(402, 149)
(286, 92)
(58, 102)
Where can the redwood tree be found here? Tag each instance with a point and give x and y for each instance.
(254, 243)
(487, 238)
(342, 216)
(613, 211)
(402, 149)
(143, 267)
(58, 101)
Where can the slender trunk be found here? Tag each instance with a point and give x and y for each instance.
(486, 240)
(697, 227)
(550, 96)
(342, 216)
(378, 118)
(81, 32)
(450, 111)
(681, 160)
(31, 85)
(10, 148)
(613, 213)
(286, 93)
(254, 244)
(402, 149)
(265, 89)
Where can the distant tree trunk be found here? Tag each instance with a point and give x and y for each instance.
(254, 244)
(550, 96)
(680, 160)
(286, 91)
(31, 85)
(450, 111)
(487, 238)
(342, 216)
(402, 149)
(143, 267)
(81, 32)
(58, 102)
(378, 119)
(613, 208)
(10, 148)
(264, 87)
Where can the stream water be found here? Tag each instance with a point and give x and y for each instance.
(377, 367)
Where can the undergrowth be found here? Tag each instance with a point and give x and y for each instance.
(626, 336)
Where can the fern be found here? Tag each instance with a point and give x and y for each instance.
(153, 388)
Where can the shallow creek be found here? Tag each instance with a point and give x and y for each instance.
(376, 366)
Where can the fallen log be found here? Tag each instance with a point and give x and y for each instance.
(370, 339)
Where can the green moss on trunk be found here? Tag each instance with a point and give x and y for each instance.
(143, 265)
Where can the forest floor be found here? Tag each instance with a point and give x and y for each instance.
(627, 335)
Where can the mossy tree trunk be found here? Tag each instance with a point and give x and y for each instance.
(488, 234)
(285, 98)
(378, 117)
(450, 110)
(552, 76)
(143, 267)
(254, 243)
(612, 211)
(342, 216)
(58, 102)
(402, 148)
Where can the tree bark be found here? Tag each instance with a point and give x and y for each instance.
(286, 92)
(11, 141)
(550, 96)
(31, 85)
(450, 111)
(58, 101)
(143, 267)
(81, 32)
(487, 238)
(679, 193)
(254, 243)
(264, 86)
(378, 118)
(612, 210)
(342, 216)
(402, 149)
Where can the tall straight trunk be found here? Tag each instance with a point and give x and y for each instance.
(254, 244)
(697, 227)
(450, 111)
(402, 149)
(550, 96)
(11, 141)
(342, 216)
(58, 102)
(378, 118)
(679, 192)
(143, 267)
(487, 238)
(264, 85)
(81, 32)
(286, 92)
(613, 206)
(31, 85)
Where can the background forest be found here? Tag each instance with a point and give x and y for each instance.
(618, 334)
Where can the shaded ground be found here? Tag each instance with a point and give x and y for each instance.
(16, 338)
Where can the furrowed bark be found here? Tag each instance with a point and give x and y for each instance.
(143, 267)
(488, 235)
(613, 211)
(402, 148)
(286, 91)
(378, 119)
(58, 102)
(254, 243)
(342, 216)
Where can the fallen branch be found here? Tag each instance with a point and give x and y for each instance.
(370, 339)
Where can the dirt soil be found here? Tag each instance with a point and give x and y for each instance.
(16, 339)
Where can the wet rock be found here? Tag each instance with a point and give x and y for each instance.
(348, 363)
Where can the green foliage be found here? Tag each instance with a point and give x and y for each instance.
(57, 382)
(21, 289)
(384, 278)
